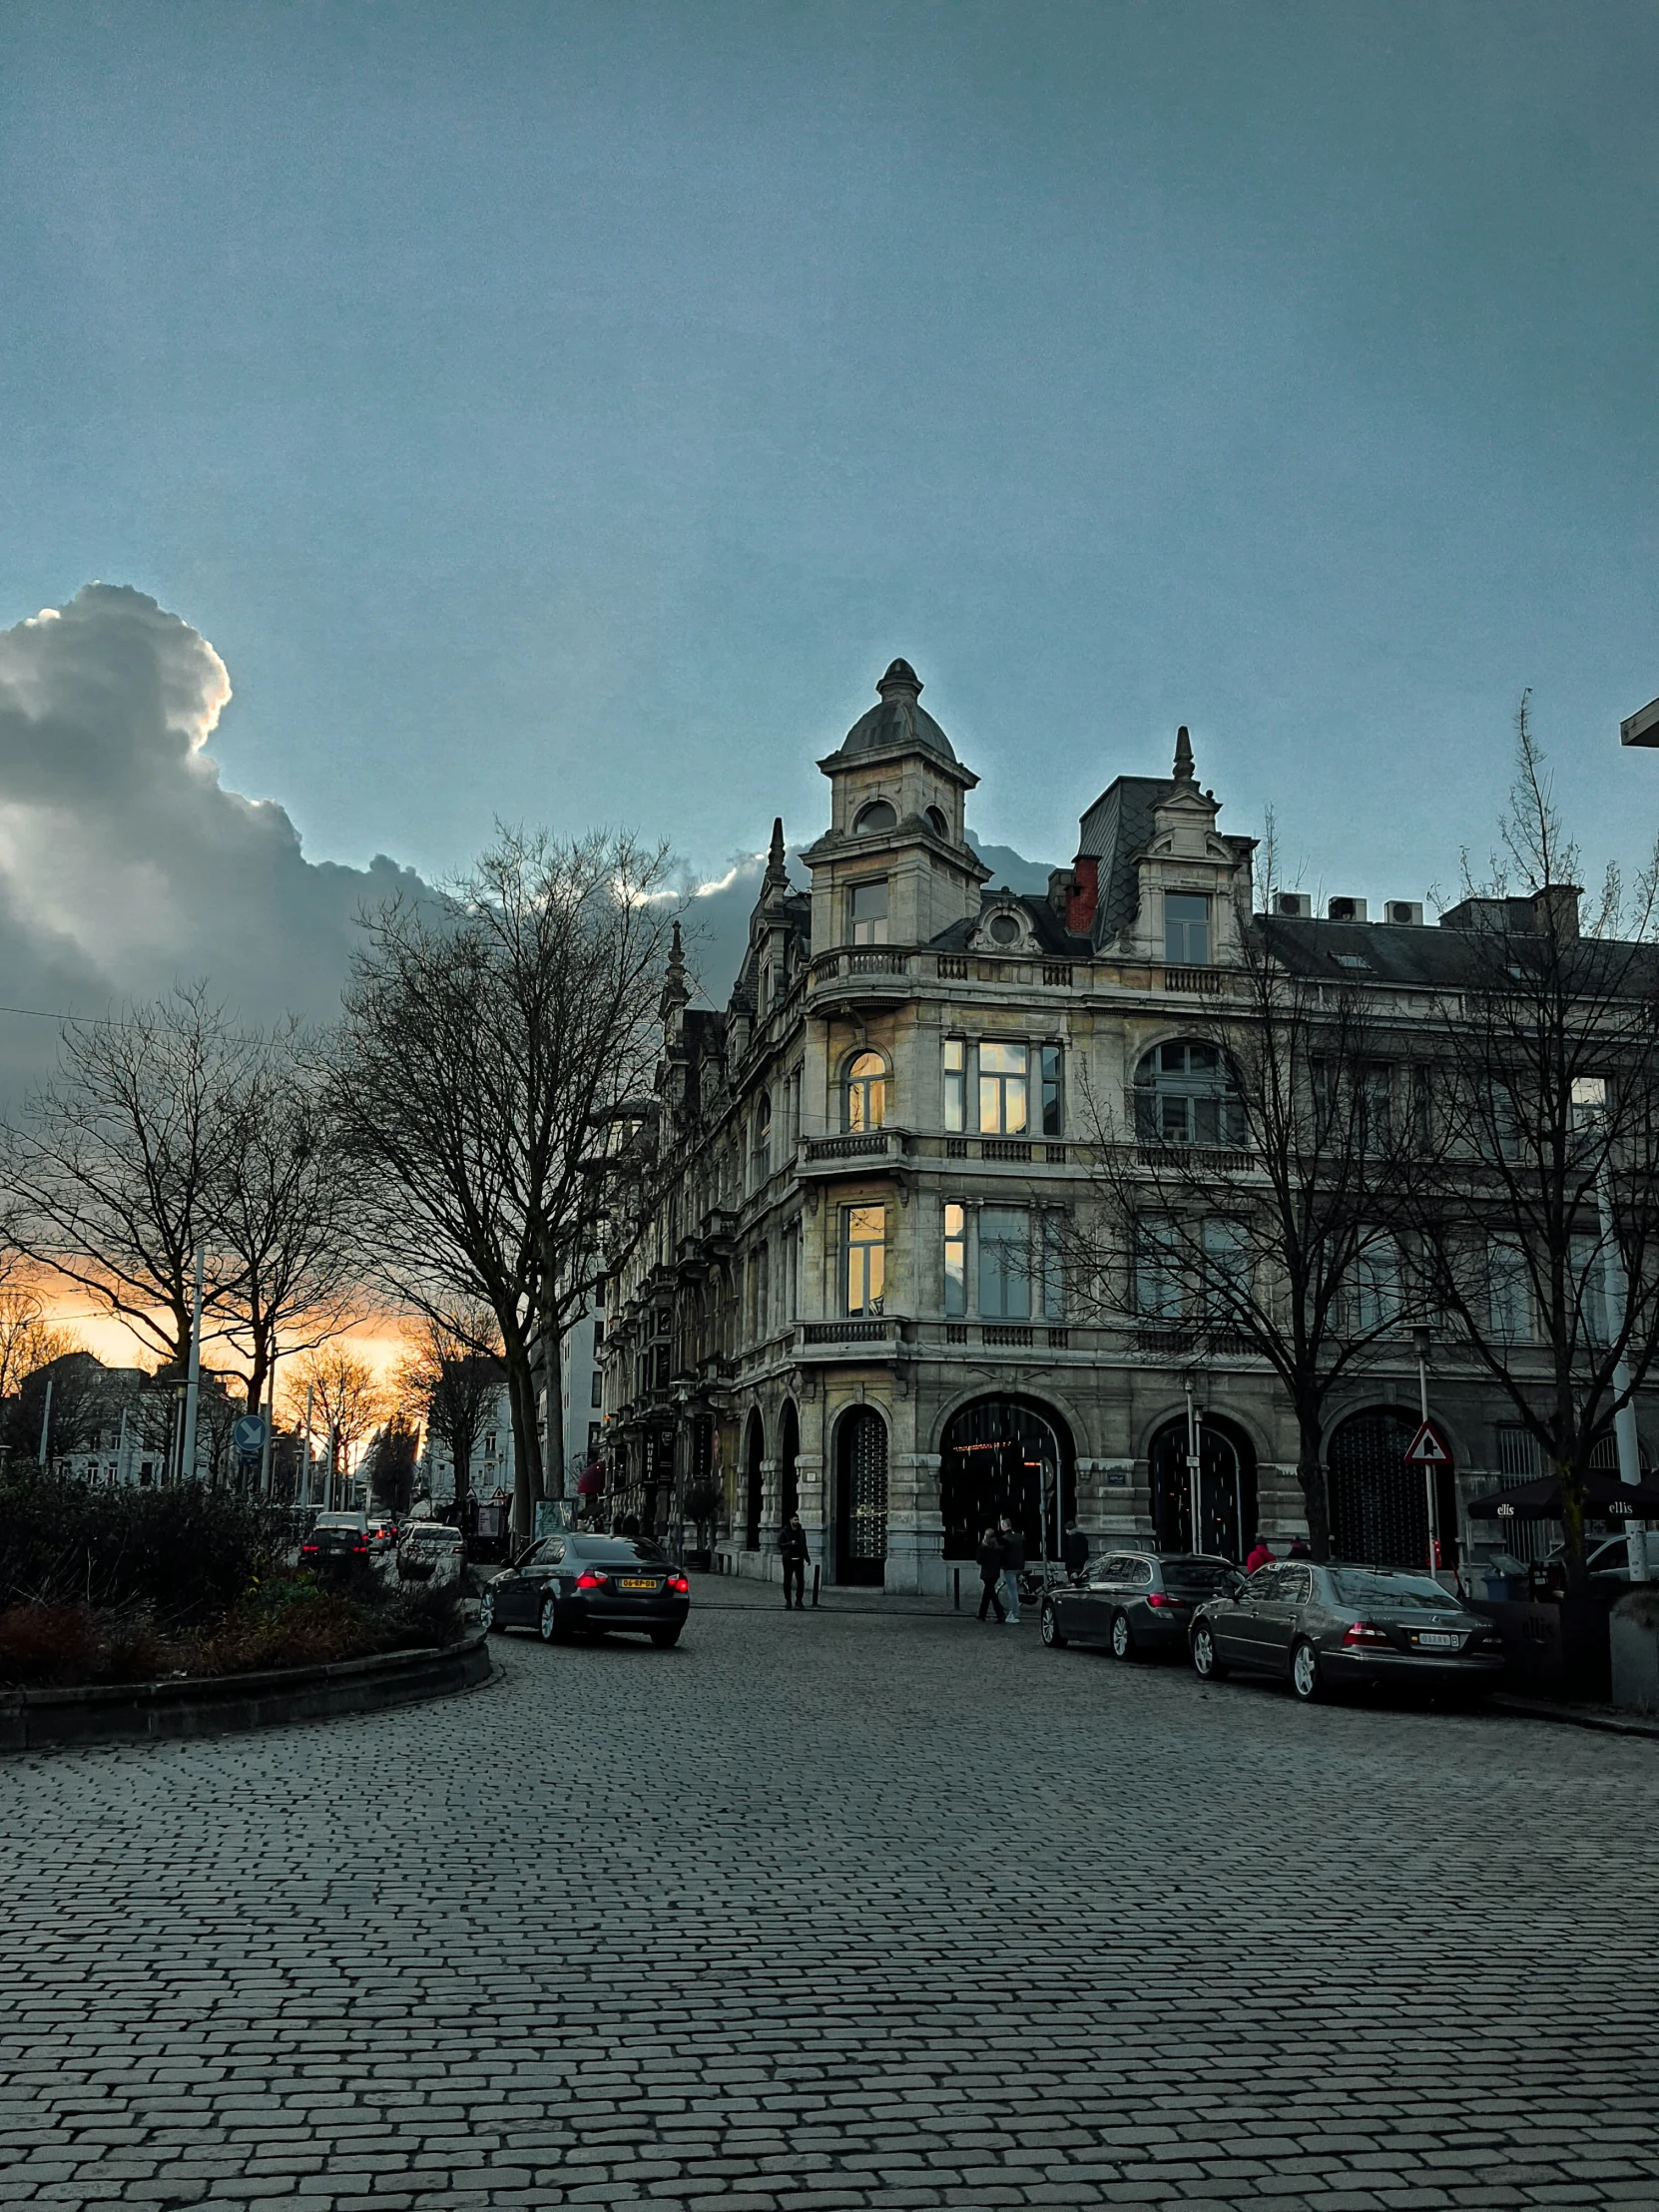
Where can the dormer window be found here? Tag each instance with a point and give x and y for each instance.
(869, 912)
(1186, 930)
(879, 815)
(1003, 930)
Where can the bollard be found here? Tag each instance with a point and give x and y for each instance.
(958, 1579)
(816, 1571)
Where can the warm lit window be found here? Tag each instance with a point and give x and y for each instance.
(866, 1238)
(1186, 930)
(955, 1259)
(1002, 1088)
(1004, 1262)
(955, 1083)
(868, 905)
(867, 1091)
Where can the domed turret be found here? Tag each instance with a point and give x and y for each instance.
(898, 721)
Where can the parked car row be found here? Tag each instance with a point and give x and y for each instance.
(1317, 1627)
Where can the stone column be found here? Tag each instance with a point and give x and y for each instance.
(915, 1532)
(768, 1565)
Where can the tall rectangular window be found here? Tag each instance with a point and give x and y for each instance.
(1054, 1278)
(1226, 1272)
(870, 913)
(1053, 1095)
(955, 1083)
(1508, 1291)
(1004, 1262)
(1186, 930)
(1159, 1292)
(864, 1235)
(1002, 1088)
(955, 1259)
(1376, 1284)
(1589, 1289)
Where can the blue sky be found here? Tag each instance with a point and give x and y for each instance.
(563, 413)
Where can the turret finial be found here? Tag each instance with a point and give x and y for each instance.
(777, 872)
(1184, 770)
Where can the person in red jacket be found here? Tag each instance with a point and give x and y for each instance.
(1258, 1555)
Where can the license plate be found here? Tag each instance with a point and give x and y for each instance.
(635, 1582)
(1431, 1641)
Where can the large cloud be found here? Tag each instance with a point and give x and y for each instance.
(124, 865)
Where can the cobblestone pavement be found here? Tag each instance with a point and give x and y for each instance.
(846, 1909)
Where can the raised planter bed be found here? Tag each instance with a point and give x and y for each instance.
(215, 1704)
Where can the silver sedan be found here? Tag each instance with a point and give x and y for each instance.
(1324, 1626)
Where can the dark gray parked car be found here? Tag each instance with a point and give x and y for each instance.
(1134, 1602)
(569, 1583)
(1341, 1625)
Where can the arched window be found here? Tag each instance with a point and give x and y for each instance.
(934, 817)
(867, 1091)
(879, 815)
(1183, 1094)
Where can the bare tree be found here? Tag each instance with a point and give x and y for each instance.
(114, 1175)
(28, 1340)
(1539, 1236)
(284, 1211)
(345, 1396)
(1245, 1193)
(482, 1038)
(453, 1374)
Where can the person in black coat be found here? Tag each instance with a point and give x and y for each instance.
(990, 1575)
(793, 1545)
(1074, 1551)
(1013, 1559)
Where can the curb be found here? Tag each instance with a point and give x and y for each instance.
(1567, 1715)
(153, 1712)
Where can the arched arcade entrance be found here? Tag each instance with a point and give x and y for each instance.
(1225, 1492)
(862, 1497)
(1005, 1455)
(1379, 1504)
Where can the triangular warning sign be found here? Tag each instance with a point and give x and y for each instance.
(1427, 1447)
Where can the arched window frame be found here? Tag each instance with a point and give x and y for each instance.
(867, 1091)
(874, 816)
(1213, 1116)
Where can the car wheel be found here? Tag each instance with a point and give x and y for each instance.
(549, 1621)
(1207, 1663)
(486, 1612)
(1305, 1671)
(1123, 1637)
(1052, 1635)
(665, 1639)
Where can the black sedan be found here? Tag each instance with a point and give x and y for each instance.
(1338, 1625)
(568, 1585)
(1134, 1602)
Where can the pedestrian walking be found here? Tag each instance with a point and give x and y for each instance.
(1013, 1560)
(793, 1545)
(1074, 1551)
(1301, 1548)
(1258, 1555)
(990, 1575)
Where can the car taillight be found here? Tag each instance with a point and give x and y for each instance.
(306, 1548)
(590, 1581)
(1162, 1599)
(362, 1547)
(1366, 1632)
(680, 1584)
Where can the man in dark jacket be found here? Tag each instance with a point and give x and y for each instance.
(990, 1575)
(792, 1544)
(1074, 1551)
(1013, 1559)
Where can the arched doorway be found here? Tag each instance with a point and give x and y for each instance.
(862, 1497)
(1005, 1455)
(754, 1452)
(1225, 1489)
(789, 1453)
(1379, 1504)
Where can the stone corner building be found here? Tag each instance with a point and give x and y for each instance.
(837, 1285)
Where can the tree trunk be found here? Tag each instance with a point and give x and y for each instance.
(1309, 1474)
(553, 1465)
(1573, 1527)
(522, 1398)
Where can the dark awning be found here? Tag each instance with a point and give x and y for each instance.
(1605, 1498)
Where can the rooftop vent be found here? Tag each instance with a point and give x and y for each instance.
(1294, 905)
(1346, 909)
(1407, 912)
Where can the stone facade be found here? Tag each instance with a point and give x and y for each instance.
(831, 1287)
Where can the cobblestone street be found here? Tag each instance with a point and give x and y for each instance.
(856, 1907)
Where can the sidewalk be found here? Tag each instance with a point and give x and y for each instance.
(748, 1593)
